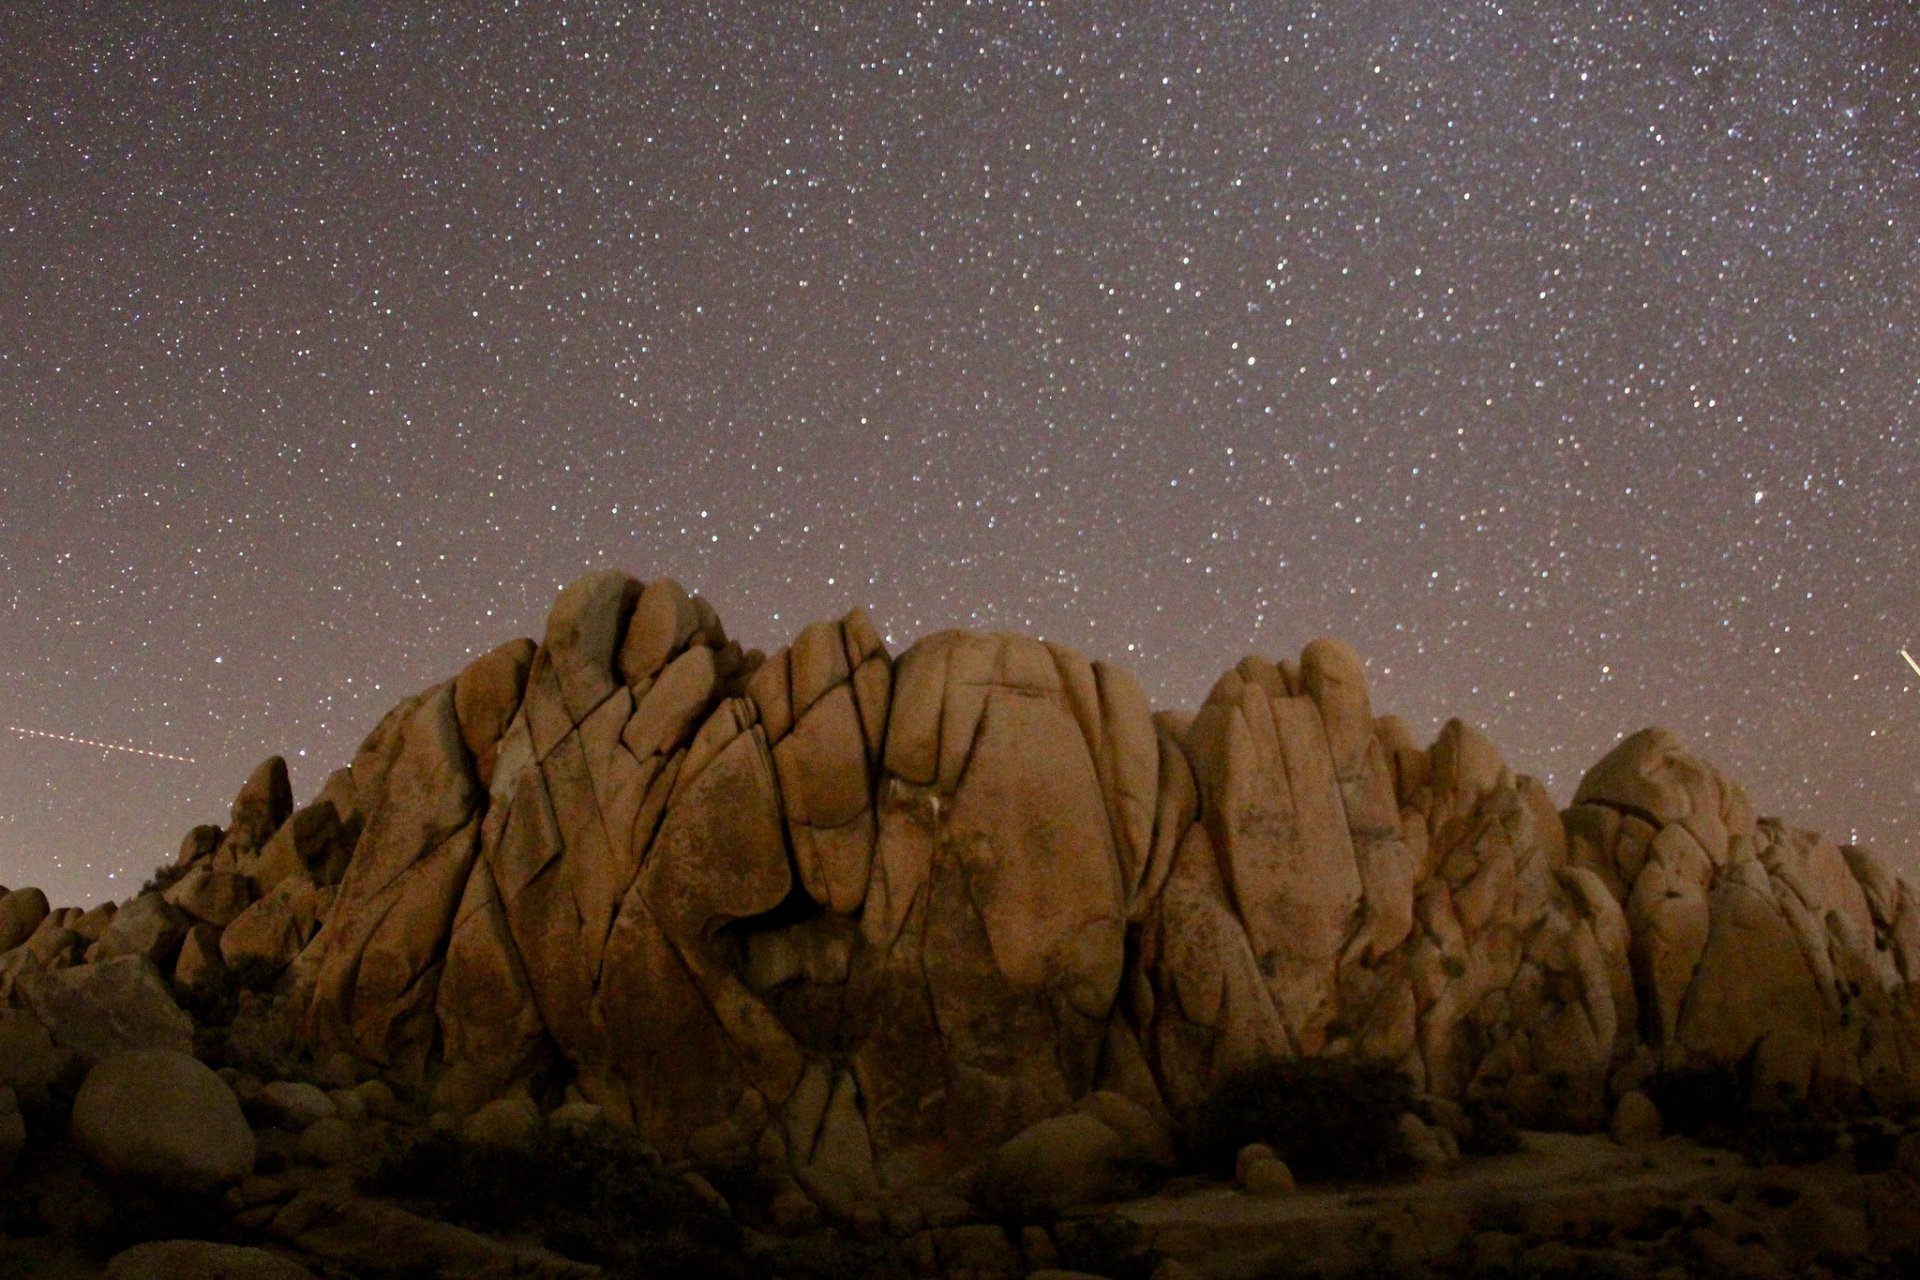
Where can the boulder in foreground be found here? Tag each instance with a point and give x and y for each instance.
(163, 1118)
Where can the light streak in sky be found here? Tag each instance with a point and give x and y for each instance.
(1911, 662)
(104, 746)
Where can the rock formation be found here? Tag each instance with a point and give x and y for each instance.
(869, 917)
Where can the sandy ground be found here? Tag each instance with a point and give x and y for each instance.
(1561, 1187)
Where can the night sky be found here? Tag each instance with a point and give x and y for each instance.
(1559, 357)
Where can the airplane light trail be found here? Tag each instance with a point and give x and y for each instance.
(1911, 662)
(104, 746)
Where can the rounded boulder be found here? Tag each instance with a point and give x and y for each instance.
(164, 1118)
(1067, 1160)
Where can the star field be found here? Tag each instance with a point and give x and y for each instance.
(1562, 359)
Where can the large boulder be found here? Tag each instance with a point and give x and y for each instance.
(162, 1118)
(148, 926)
(213, 897)
(1063, 1161)
(268, 934)
(264, 802)
(21, 912)
(98, 1010)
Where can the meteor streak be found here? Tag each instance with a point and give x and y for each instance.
(1911, 662)
(104, 746)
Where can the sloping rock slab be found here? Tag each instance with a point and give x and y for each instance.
(374, 1238)
(201, 1260)
(109, 1007)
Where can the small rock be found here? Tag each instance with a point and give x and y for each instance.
(327, 1141)
(578, 1115)
(381, 1100)
(245, 1085)
(201, 1260)
(1423, 1146)
(348, 1104)
(1251, 1154)
(148, 926)
(1636, 1120)
(338, 1070)
(703, 1192)
(1269, 1177)
(163, 1117)
(512, 1122)
(258, 1190)
(791, 1211)
(295, 1104)
(1037, 1247)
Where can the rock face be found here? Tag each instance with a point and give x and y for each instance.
(1749, 938)
(875, 917)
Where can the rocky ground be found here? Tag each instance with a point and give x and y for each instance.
(155, 1162)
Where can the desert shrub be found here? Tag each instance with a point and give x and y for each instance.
(1876, 1147)
(1326, 1117)
(1492, 1131)
(164, 877)
(1106, 1245)
(746, 1183)
(20, 1215)
(595, 1196)
(1794, 1138)
(1705, 1102)
(1714, 1104)
(215, 1000)
(141, 1214)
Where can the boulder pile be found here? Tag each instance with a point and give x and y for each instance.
(870, 917)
